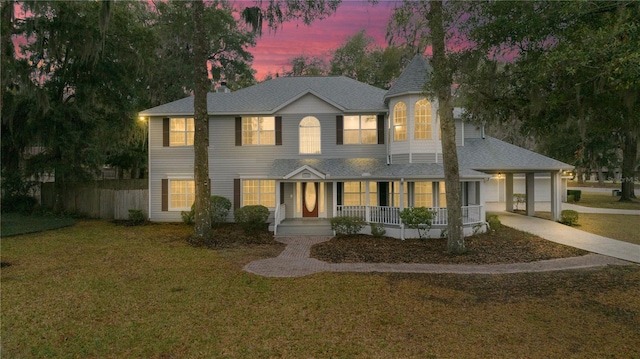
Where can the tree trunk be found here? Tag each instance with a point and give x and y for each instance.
(443, 82)
(201, 121)
(600, 177)
(628, 166)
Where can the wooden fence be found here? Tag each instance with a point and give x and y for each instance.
(102, 199)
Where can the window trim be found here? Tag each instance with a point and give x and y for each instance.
(186, 132)
(259, 192)
(317, 126)
(170, 193)
(396, 125)
(428, 119)
(258, 131)
(376, 130)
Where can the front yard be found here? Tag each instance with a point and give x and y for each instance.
(107, 291)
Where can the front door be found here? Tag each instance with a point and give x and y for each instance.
(310, 199)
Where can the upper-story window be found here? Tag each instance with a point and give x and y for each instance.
(422, 121)
(181, 131)
(258, 131)
(310, 136)
(400, 122)
(360, 129)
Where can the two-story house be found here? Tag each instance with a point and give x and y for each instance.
(312, 148)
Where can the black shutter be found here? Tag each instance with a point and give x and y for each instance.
(380, 129)
(236, 193)
(339, 194)
(165, 195)
(238, 131)
(339, 129)
(165, 132)
(278, 130)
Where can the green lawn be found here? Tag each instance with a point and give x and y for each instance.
(606, 200)
(13, 224)
(96, 290)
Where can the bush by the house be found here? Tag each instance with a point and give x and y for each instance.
(494, 222)
(570, 198)
(188, 216)
(136, 217)
(569, 217)
(418, 218)
(220, 207)
(347, 225)
(252, 218)
(518, 199)
(377, 230)
(576, 194)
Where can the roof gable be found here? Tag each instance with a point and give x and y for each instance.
(268, 97)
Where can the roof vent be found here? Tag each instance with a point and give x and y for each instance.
(223, 88)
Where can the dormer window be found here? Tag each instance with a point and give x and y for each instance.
(400, 122)
(422, 121)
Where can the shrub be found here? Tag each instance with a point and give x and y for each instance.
(17, 193)
(494, 222)
(519, 198)
(418, 218)
(136, 216)
(220, 207)
(569, 217)
(252, 218)
(188, 216)
(347, 225)
(570, 198)
(576, 194)
(377, 230)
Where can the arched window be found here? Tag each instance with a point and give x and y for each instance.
(310, 136)
(422, 121)
(400, 122)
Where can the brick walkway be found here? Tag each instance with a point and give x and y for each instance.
(294, 261)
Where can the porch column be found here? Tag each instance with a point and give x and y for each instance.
(531, 193)
(481, 200)
(367, 208)
(508, 187)
(334, 196)
(556, 195)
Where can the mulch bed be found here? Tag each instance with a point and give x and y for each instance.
(507, 245)
(227, 235)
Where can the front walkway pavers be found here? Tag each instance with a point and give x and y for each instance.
(294, 261)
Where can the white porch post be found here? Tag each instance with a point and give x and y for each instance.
(530, 189)
(481, 201)
(334, 210)
(277, 194)
(367, 208)
(556, 195)
(508, 186)
(401, 201)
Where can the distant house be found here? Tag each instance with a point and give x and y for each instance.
(313, 148)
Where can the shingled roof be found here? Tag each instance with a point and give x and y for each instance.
(412, 79)
(268, 97)
(490, 154)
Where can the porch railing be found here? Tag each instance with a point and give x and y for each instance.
(278, 216)
(391, 215)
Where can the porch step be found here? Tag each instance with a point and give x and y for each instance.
(304, 228)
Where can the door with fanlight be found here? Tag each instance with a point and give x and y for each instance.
(310, 199)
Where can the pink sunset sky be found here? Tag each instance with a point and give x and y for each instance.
(274, 49)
